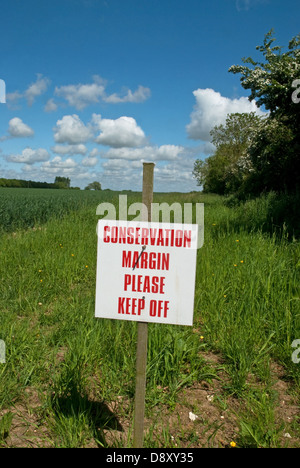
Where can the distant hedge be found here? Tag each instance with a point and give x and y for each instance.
(18, 183)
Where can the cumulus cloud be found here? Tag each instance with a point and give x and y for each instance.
(58, 165)
(70, 129)
(149, 153)
(17, 129)
(123, 167)
(92, 159)
(36, 89)
(168, 152)
(81, 95)
(47, 172)
(122, 132)
(211, 109)
(89, 161)
(172, 176)
(69, 149)
(29, 156)
(140, 95)
(78, 95)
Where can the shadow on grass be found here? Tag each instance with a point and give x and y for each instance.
(86, 412)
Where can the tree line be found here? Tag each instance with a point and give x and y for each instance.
(59, 183)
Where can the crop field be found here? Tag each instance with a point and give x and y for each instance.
(68, 380)
(25, 208)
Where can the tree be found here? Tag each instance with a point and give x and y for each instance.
(225, 171)
(273, 83)
(93, 186)
(62, 182)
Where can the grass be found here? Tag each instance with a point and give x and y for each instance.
(247, 309)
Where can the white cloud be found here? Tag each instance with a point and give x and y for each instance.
(140, 95)
(122, 132)
(171, 172)
(212, 109)
(78, 95)
(69, 149)
(17, 129)
(82, 95)
(124, 166)
(57, 165)
(36, 89)
(121, 174)
(149, 153)
(115, 165)
(29, 156)
(50, 106)
(89, 161)
(70, 129)
(68, 168)
(168, 152)
(48, 171)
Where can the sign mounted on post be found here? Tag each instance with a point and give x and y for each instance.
(146, 271)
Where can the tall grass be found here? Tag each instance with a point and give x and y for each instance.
(247, 307)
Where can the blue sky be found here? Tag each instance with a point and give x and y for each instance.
(96, 87)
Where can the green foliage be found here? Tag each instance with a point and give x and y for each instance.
(225, 171)
(19, 183)
(253, 154)
(93, 186)
(271, 81)
(270, 212)
(62, 182)
(274, 152)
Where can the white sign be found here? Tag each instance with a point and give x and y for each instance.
(146, 271)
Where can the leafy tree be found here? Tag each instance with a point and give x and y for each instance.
(62, 182)
(275, 152)
(271, 82)
(93, 186)
(226, 169)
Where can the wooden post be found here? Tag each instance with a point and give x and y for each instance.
(142, 327)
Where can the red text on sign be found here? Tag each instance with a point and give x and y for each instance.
(144, 284)
(151, 260)
(159, 308)
(130, 306)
